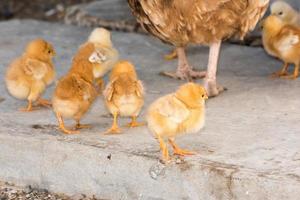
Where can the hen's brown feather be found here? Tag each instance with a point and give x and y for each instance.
(198, 21)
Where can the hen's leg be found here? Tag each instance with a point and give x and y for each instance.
(171, 56)
(179, 151)
(114, 128)
(210, 81)
(184, 70)
(62, 125)
(134, 123)
(282, 72)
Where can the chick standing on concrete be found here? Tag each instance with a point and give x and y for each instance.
(175, 114)
(285, 12)
(282, 41)
(124, 95)
(76, 91)
(28, 76)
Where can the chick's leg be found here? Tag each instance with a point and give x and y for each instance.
(178, 151)
(134, 123)
(114, 128)
(171, 55)
(28, 108)
(43, 102)
(81, 126)
(62, 125)
(184, 70)
(282, 72)
(210, 81)
(164, 149)
(295, 74)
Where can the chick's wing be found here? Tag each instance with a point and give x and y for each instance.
(173, 109)
(35, 68)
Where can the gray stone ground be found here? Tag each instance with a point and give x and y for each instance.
(249, 148)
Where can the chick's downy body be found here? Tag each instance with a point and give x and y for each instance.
(76, 91)
(175, 114)
(28, 76)
(124, 94)
(282, 40)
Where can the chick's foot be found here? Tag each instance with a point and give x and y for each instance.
(179, 151)
(43, 102)
(171, 55)
(134, 123)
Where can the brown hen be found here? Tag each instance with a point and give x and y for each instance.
(206, 22)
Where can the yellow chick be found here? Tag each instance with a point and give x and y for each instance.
(28, 76)
(282, 41)
(76, 91)
(124, 95)
(175, 114)
(285, 12)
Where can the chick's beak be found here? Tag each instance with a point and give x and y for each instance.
(206, 97)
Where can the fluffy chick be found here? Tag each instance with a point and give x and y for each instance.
(175, 114)
(285, 12)
(76, 91)
(124, 95)
(28, 76)
(282, 41)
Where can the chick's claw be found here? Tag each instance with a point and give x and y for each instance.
(134, 123)
(113, 130)
(82, 126)
(171, 55)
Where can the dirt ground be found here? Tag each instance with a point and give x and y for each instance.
(49, 10)
(9, 191)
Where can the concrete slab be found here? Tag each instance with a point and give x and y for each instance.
(249, 148)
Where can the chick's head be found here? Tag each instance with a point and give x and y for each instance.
(101, 36)
(123, 67)
(282, 10)
(192, 94)
(272, 23)
(40, 49)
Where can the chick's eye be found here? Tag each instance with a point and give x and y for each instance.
(49, 51)
(280, 13)
(202, 95)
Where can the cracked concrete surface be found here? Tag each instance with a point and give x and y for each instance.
(249, 148)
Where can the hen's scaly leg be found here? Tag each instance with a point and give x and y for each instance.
(179, 151)
(184, 70)
(171, 56)
(114, 128)
(282, 72)
(210, 81)
(43, 102)
(134, 123)
(164, 149)
(28, 108)
(295, 74)
(62, 125)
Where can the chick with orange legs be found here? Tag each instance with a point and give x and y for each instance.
(282, 40)
(28, 76)
(124, 95)
(176, 114)
(77, 90)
